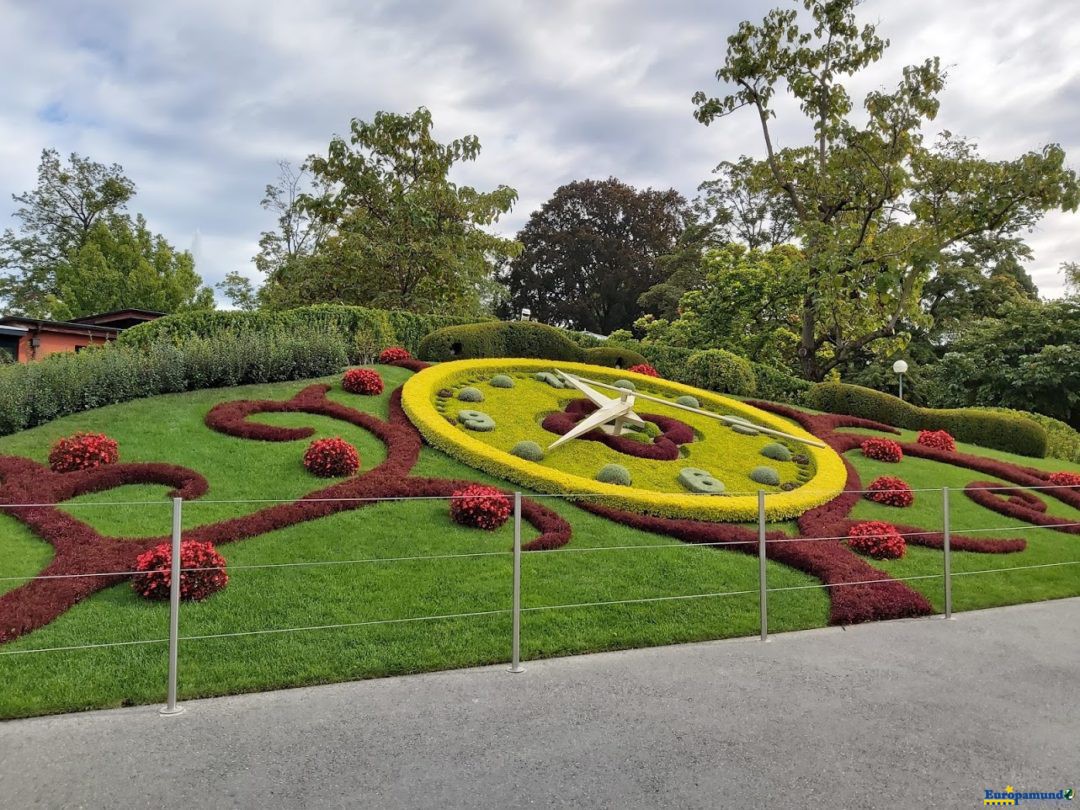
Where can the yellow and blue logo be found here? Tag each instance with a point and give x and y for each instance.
(1011, 796)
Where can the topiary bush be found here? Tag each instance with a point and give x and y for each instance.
(1000, 431)
(393, 355)
(502, 381)
(480, 507)
(745, 430)
(362, 381)
(891, 491)
(700, 481)
(530, 451)
(614, 474)
(719, 370)
(877, 539)
(549, 378)
(499, 339)
(765, 475)
(688, 401)
(83, 451)
(331, 458)
(613, 357)
(777, 452)
(778, 385)
(476, 420)
(470, 394)
(626, 385)
(204, 576)
(882, 450)
(939, 439)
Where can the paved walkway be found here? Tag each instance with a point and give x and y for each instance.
(921, 713)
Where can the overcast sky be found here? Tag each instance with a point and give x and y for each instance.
(199, 100)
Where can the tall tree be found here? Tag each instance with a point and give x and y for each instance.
(875, 207)
(400, 234)
(592, 250)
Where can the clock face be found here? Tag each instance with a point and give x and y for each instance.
(626, 439)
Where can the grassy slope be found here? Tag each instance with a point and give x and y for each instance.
(171, 429)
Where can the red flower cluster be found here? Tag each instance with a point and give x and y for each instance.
(83, 451)
(394, 355)
(202, 571)
(362, 381)
(877, 539)
(882, 450)
(1064, 479)
(480, 506)
(331, 458)
(891, 491)
(940, 439)
(644, 368)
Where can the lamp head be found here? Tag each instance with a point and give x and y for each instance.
(900, 367)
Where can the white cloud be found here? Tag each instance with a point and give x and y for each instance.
(199, 100)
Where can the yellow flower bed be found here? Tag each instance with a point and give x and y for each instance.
(421, 404)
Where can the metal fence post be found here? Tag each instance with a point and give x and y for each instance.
(947, 546)
(174, 609)
(515, 661)
(763, 604)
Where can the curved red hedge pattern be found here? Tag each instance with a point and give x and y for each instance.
(1019, 504)
(83, 451)
(664, 447)
(882, 450)
(890, 491)
(394, 356)
(362, 381)
(644, 368)
(480, 507)
(941, 439)
(331, 458)
(202, 571)
(876, 539)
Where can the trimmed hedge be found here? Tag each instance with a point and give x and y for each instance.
(1000, 431)
(499, 339)
(720, 370)
(613, 357)
(779, 386)
(368, 330)
(1062, 439)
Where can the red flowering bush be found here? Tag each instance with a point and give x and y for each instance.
(644, 368)
(877, 539)
(480, 506)
(882, 450)
(891, 491)
(362, 381)
(202, 571)
(331, 458)
(83, 451)
(940, 439)
(1064, 479)
(394, 355)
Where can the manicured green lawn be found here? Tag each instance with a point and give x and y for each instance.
(171, 429)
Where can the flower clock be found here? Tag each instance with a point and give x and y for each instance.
(694, 462)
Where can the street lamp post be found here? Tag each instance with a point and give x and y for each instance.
(900, 368)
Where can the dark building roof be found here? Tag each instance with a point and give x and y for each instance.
(58, 326)
(120, 318)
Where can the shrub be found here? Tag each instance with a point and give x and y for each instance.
(688, 401)
(644, 368)
(362, 381)
(882, 450)
(82, 451)
(502, 381)
(614, 357)
(499, 339)
(700, 481)
(719, 370)
(776, 451)
(626, 385)
(530, 451)
(779, 386)
(1066, 479)
(614, 474)
(202, 571)
(767, 476)
(877, 539)
(470, 394)
(941, 439)
(393, 355)
(331, 458)
(891, 491)
(1062, 439)
(670, 361)
(745, 430)
(1001, 431)
(480, 507)
(476, 420)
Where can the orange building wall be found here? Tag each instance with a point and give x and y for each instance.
(52, 342)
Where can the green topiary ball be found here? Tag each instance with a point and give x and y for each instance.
(745, 430)
(626, 384)
(614, 474)
(501, 381)
(470, 394)
(530, 451)
(549, 378)
(765, 475)
(776, 451)
(476, 420)
(688, 401)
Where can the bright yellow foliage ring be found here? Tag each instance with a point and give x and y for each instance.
(419, 395)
